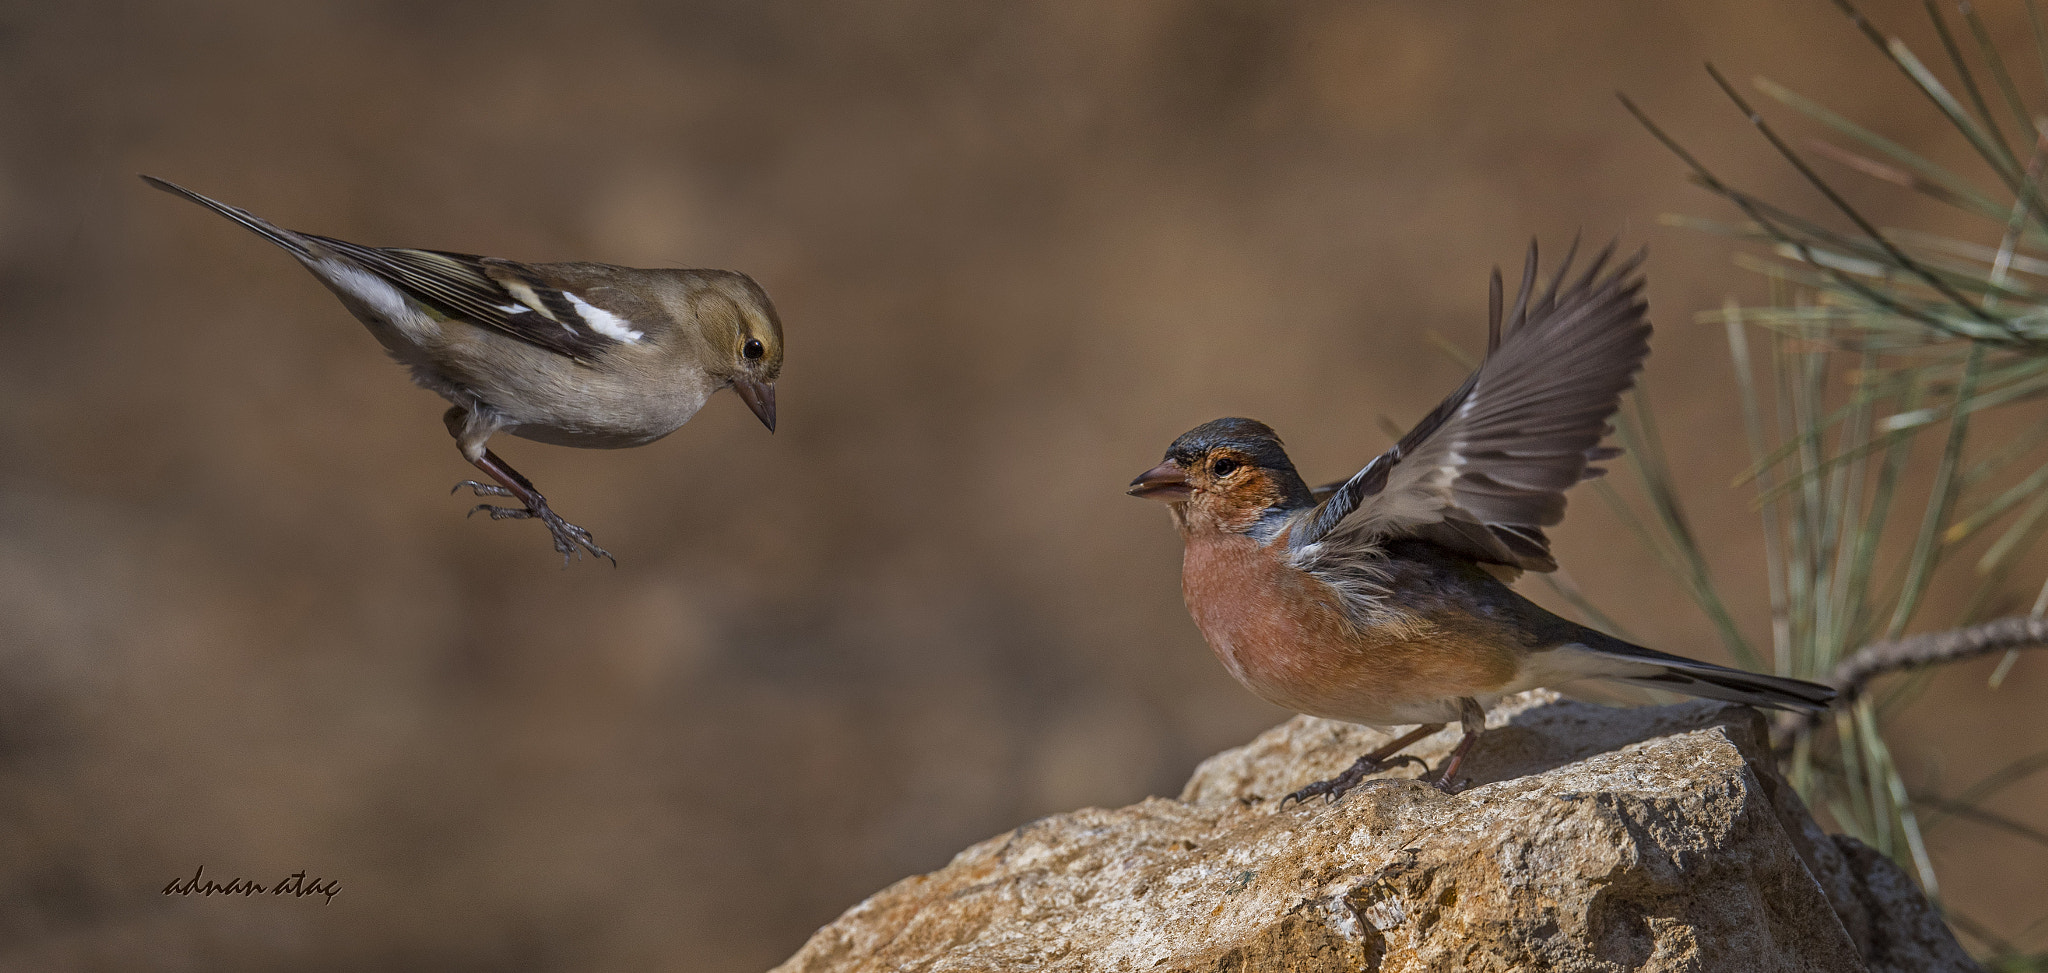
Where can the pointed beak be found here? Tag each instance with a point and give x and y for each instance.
(1166, 482)
(760, 397)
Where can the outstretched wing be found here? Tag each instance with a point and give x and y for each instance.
(1486, 471)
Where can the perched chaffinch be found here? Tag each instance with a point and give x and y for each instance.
(1383, 600)
(574, 354)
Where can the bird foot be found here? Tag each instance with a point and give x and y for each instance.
(1335, 788)
(483, 489)
(570, 540)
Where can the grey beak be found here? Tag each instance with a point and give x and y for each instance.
(760, 397)
(1166, 482)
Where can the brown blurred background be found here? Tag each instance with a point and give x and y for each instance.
(1017, 248)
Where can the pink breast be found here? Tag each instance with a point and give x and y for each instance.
(1280, 631)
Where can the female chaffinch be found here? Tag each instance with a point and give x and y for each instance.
(574, 354)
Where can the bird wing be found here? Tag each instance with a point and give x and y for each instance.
(503, 295)
(1486, 471)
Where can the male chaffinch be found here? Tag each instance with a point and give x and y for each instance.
(1382, 599)
(573, 354)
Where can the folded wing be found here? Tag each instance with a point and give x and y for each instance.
(503, 295)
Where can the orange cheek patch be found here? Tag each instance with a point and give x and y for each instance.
(1235, 508)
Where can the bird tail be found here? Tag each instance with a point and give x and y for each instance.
(1599, 656)
(283, 238)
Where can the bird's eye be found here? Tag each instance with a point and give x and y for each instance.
(1224, 467)
(752, 349)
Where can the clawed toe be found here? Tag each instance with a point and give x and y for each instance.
(1334, 789)
(482, 490)
(501, 513)
(1331, 790)
(570, 540)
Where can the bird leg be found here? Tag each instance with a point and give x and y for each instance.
(570, 540)
(1374, 762)
(1472, 718)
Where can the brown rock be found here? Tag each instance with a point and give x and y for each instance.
(1587, 839)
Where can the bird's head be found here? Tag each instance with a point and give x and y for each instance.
(1230, 475)
(745, 339)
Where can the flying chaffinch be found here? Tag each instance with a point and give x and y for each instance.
(574, 354)
(1382, 599)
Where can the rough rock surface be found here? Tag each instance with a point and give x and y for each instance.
(1587, 839)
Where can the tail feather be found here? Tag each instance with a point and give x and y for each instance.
(283, 238)
(1736, 686)
(1601, 657)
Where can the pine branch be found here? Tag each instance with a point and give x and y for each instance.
(1852, 674)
